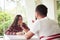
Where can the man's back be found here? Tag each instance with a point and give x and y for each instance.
(48, 27)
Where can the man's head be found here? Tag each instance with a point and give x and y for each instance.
(41, 11)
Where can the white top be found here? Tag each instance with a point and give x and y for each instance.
(45, 27)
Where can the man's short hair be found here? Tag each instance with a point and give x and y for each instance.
(42, 9)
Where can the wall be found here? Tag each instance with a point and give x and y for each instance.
(30, 10)
(51, 8)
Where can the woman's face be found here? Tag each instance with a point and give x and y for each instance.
(20, 20)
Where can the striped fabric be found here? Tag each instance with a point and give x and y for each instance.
(51, 37)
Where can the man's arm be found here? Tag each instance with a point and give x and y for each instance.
(29, 34)
(35, 28)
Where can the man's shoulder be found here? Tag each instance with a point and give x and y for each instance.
(52, 22)
(37, 21)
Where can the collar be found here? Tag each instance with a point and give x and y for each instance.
(42, 18)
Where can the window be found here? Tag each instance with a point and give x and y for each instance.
(10, 8)
(58, 11)
(8, 12)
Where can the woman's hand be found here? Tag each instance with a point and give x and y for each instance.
(20, 33)
(7, 33)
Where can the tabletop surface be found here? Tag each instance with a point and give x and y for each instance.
(18, 37)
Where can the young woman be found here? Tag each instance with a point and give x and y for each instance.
(17, 27)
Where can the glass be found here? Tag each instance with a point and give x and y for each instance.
(8, 10)
(58, 12)
(2, 18)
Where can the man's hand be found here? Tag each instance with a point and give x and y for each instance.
(29, 34)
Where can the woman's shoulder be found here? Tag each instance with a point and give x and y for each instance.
(24, 23)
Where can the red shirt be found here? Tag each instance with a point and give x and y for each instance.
(15, 29)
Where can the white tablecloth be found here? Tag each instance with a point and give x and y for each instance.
(1, 38)
(18, 37)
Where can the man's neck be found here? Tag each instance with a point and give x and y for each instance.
(40, 17)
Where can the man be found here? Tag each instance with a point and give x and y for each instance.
(45, 28)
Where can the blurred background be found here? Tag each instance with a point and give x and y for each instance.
(10, 8)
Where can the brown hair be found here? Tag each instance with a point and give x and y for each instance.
(15, 23)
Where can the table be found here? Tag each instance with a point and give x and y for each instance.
(1, 38)
(18, 37)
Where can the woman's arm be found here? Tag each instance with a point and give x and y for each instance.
(9, 31)
(25, 27)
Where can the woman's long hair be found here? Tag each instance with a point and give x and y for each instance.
(15, 23)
